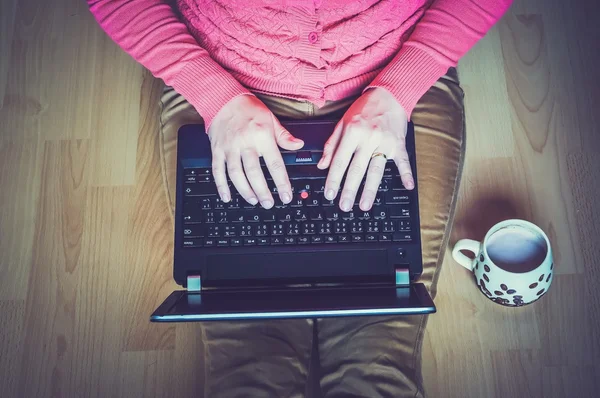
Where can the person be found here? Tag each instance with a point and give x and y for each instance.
(238, 63)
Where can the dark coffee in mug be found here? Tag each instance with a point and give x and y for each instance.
(517, 249)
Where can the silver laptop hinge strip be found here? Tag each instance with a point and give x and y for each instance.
(402, 277)
(194, 283)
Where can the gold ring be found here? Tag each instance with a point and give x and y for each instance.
(378, 154)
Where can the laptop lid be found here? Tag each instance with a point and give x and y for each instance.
(300, 302)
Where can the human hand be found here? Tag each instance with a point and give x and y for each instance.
(241, 132)
(374, 123)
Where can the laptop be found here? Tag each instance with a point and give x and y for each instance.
(306, 259)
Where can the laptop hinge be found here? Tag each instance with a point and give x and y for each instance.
(194, 283)
(402, 277)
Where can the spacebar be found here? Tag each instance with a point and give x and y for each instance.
(322, 264)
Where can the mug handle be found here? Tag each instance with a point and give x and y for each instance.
(465, 244)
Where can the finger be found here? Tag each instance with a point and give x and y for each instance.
(338, 167)
(330, 146)
(237, 176)
(285, 139)
(256, 178)
(404, 169)
(374, 175)
(276, 167)
(354, 177)
(218, 170)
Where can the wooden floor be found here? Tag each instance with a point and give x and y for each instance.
(85, 231)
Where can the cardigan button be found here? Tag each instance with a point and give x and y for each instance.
(313, 37)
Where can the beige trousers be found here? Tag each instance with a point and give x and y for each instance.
(337, 357)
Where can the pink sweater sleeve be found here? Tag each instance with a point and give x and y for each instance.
(151, 32)
(447, 30)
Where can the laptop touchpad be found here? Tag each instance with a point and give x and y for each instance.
(318, 264)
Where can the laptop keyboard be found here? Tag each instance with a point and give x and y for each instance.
(310, 219)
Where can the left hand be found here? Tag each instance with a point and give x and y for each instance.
(374, 123)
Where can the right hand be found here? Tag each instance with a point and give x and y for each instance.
(241, 132)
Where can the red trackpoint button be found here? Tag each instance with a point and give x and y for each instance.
(304, 194)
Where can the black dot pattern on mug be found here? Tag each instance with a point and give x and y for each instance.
(481, 258)
(551, 266)
(486, 268)
(540, 292)
(533, 285)
(541, 278)
(486, 277)
(549, 276)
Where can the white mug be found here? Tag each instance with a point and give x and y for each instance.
(513, 266)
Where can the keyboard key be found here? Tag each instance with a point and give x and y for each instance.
(396, 184)
(247, 205)
(196, 171)
(316, 214)
(365, 215)
(358, 238)
(192, 243)
(297, 202)
(230, 231)
(395, 197)
(356, 227)
(404, 225)
(384, 185)
(222, 217)
(399, 211)
(222, 242)
(277, 240)
(213, 231)
(380, 213)
(262, 241)
(371, 237)
(268, 215)
(324, 228)
(249, 241)
(262, 230)
(277, 229)
(190, 179)
(319, 186)
(344, 238)
(372, 226)
(200, 189)
(309, 228)
(192, 218)
(316, 239)
(235, 241)
(340, 227)
(331, 239)
(402, 237)
(351, 215)
(326, 202)
(235, 203)
(194, 231)
(252, 216)
(300, 215)
(332, 214)
(289, 240)
(206, 204)
(378, 200)
(208, 217)
(385, 237)
(284, 215)
(313, 201)
(218, 203)
(303, 240)
(388, 172)
(246, 230)
(236, 216)
(293, 229)
(210, 242)
(387, 226)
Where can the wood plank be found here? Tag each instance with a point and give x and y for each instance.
(50, 315)
(8, 8)
(486, 100)
(19, 198)
(11, 345)
(538, 124)
(517, 373)
(570, 381)
(150, 243)
(146, 374)
(190, 360)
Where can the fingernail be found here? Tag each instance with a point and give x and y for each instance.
(346, 204)
(286, 197)
(364, 205)
(225, 197)
(267, 204)
(410, 184)
(330, 194)
(253, 201)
